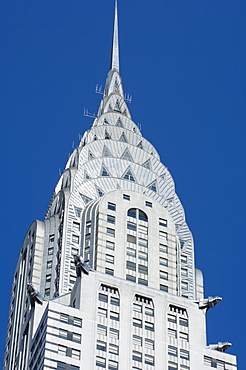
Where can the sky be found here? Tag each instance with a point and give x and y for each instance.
(183, 62)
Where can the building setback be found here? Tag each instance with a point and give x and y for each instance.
(107, 280)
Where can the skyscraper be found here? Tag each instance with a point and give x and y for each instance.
(114, 261)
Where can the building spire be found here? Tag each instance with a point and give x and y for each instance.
(115, 44)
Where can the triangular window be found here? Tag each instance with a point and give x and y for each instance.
(104, 171)
(106, 152)
(128, 175)
(99, 192)
(105, 121)
(163, 176)
(85, 198)
(110, 108)
(77, 211)
(119, 123)
(127, 155)
(117, 106)
(90, 155)
(123, 138)
(147, 164)
(118, 186)
(140, 144)
(86, 176)
(116, 86)
(153, 186)
(106, 135)
(95, 137)
(125, 113)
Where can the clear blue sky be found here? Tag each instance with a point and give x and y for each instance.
(184, 64)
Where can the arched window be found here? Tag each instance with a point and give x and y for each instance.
(137, 213)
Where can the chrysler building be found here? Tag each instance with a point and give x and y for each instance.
(108, 279)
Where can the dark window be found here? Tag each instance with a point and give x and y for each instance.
(115, 301)
(110, 231)
(164, 288)
(142, 281)
(142, 216)
(131, 278)
(131, 226)
(148, 204)
(112, 206)
(111, 219)
(137, 356)
(183, 322)
(132, 212)
(109, 271)
(101, 346)
(103, 297)
(131, 239)
(131, 265)
(143, 269)
(126, 197)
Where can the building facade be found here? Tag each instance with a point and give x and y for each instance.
(108, 279)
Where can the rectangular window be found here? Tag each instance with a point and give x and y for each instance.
(143, 242)
(172, 366)
(142, 281)
(103, 297)
(183, 259)
(183, 322)
(114, 333)
(137, 323)
(137, 356)
(149, 360)
(114, 316)
(62, 350)
(49, 264)
(172, 318)
(74, 251)
(131, 226)
(137, 308)
(109, 271)
(48, 278)
(110, 232)
(110, 245)
(75, 353)
(72, 279)
(163, 235)
(110, 219)
(52, 238)
(77, 322)
(149, 343)
(172, 351)
(101, 330)
(172, 333)
(64, 317)
(131, 278)
(126, 197)
(109, 258)
(112, 206)
(185, 355)
(63, 333)
(112, 365)
(50, 251)
(112, 348)
(115, 301)
(76, 337)
(75, 239)
(88, 227)
(76, 226)
(101, 346)
(131, 252)
(143, 229)
(149, 311)
(163, 275)
(101, 362)
(143, 269)
(184, 336)
(102, 312)
(136, 340)
(131, 265)
(131, 239)
(163, 261)
(163, 222)
(143, 256)
(164, 288)
(148, 204)
(61, 365)
(47, 292)
(163, 248)
(184, 272)
(149, 326)
(184, 285)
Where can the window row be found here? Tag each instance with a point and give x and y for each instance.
(103, 330)
(112, 348)
(172, 333)
(138, 356)
(76, 321)
(173, 319)
(101, 362)
(70, 352)
(74, 337)
(105, 298)
(138, 323)
(183, 353)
